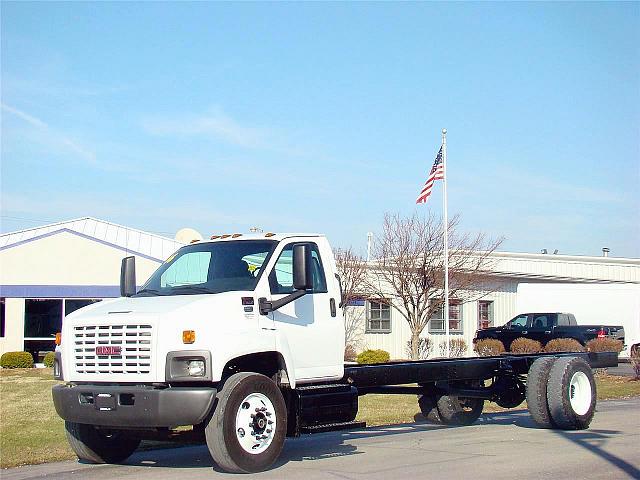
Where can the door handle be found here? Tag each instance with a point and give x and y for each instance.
(524, 332)
(547, 331)
(332, 306)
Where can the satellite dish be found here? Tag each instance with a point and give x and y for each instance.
(187, 235)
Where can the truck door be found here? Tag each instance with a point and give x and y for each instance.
(515, 328)
(307, 326)
(541, 327)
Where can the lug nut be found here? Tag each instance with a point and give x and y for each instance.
(270, 422)
(268, 414)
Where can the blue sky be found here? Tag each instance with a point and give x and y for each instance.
(323, 116)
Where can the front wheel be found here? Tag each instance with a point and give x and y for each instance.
(246, 432)
(98, 445)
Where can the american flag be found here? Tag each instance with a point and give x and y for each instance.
(437, 173)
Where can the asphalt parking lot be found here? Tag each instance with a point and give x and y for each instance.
(499, 446)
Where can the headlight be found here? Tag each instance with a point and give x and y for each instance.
(196, 368)
(188, 365)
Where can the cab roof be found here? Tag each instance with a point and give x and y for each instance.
(256, 236)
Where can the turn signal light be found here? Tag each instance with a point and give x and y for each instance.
(188, 336)
(58, 338)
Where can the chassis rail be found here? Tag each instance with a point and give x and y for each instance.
(370, 378)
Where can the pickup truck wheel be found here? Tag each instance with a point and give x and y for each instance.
(455, 410)
(571, 393)
(428, 404)
(537, 381)
(100, 446)
(246, 432)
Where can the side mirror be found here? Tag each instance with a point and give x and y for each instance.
(302, 267)
(128, 277)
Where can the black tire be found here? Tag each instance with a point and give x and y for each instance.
(428, 404)
(571, 393)
(220, 432)
(100, 446)
(537, 381)
(455, 410)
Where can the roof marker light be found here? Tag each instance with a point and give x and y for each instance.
(226, 235)
(269, 234)
(236, 235)
(213, 237)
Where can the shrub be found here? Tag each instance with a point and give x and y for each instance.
(349, 353)
(635, 360)
(373, 356)
(604, 345)
(48, 359)
(16, 360)
(525, 345)
(457, 348)
(563, 345)
(489, 347)
(425, 347)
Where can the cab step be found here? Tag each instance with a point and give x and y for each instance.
(331, 427)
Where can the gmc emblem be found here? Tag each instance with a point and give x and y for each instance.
(108, 350)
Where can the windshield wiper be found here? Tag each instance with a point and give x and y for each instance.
(148, 292)
(193, 288)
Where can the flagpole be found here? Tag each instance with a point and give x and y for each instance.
(446, 240)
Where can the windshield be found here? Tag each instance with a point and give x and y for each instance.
(210, 268)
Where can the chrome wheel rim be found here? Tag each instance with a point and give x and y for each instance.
(255, 423)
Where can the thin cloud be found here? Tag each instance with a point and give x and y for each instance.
(217, 125)
(53, 136)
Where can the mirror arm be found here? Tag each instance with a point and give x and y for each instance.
(266, 306)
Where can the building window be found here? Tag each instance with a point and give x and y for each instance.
(378, 316)
(71, 305)
(485, 314)
(1, 317)
(42, 318)
(436, 321)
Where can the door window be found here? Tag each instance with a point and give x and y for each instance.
(519, 322)
(281, 277)
(540, 321)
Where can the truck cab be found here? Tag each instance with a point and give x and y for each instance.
(208, 297)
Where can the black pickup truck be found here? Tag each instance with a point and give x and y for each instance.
(547, 326)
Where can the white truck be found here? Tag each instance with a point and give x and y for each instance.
(242, 338)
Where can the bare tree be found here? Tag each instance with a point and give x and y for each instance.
(409, 268)
(352, 271)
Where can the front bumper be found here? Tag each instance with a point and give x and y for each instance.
(133, 406)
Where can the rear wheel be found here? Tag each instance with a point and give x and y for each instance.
(100, 446)
(246, 432)
(571, 393)
(455, 410)
(428, 404)
(537, 381)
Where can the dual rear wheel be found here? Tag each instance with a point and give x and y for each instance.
(561, 393)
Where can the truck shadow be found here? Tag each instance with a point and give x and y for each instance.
(310, 448)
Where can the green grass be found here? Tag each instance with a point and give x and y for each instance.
(31, 432)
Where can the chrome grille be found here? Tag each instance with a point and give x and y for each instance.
(135, 342)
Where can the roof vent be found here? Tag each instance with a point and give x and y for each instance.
(605, 251)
